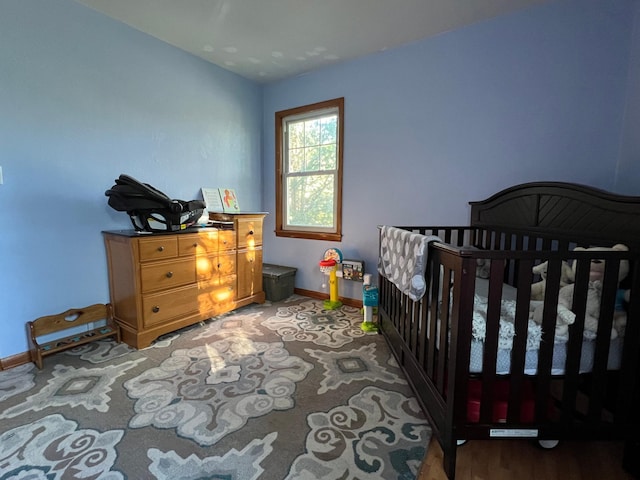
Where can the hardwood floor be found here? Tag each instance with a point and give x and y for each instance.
(523, 460)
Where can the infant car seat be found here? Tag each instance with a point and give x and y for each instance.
(151, 210)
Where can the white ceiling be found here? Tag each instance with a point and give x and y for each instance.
(267, 40)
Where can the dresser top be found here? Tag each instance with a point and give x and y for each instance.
(231, 216)
(134, 233)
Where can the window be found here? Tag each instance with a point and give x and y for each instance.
(309, 171)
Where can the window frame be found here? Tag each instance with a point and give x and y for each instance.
(308, 232)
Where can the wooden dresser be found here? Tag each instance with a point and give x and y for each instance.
(160, 282)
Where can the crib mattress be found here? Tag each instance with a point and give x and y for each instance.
(503, 360)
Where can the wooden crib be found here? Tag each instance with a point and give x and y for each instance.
(478, 363)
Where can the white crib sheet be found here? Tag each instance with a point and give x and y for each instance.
(535, 334)
(503, 360)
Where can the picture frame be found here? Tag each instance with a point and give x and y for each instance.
(229, 200)
(211, 197)
(353, 270)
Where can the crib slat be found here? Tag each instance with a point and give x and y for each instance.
(395, 310)
(402, 305)
(434, 315)
(519, 343)
(414, 326)
(519, 244)
(495, 243)
(423, 329)
(442, 348)
(574, 346)
(490, 351)
(460, 352)
(545, 353)
(601, 357)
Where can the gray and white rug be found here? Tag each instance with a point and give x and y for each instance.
(275, 391)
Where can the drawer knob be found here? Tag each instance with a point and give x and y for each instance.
(195, 245)
(169, 274)
(250, 232)
(161, 249)
(219, 265)
(155, 309)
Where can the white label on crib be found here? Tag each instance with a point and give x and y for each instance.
(513, 432)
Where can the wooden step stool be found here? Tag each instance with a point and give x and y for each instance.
(63, 321)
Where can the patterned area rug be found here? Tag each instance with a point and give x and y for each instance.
(275, 391)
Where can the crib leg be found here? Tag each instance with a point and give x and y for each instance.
(449, 460)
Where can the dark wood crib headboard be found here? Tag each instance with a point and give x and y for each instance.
(565, 210)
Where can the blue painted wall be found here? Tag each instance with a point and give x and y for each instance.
(549, 93)
(628, 175)
(83, 99)
(535, 95)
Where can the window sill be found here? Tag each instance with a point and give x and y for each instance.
(331, 237)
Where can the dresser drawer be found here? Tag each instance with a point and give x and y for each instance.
(215, 266)
(163, 275)
(218, 297)
(249, 232)
(206, 243)
(226, 264)
(160, 307)
(158, 248)
(198, 243)
(227, 240)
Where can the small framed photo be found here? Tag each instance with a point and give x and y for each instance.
(211, 197)
(353, 270)
(229, 200)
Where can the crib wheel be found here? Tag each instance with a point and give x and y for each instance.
(548, 444)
